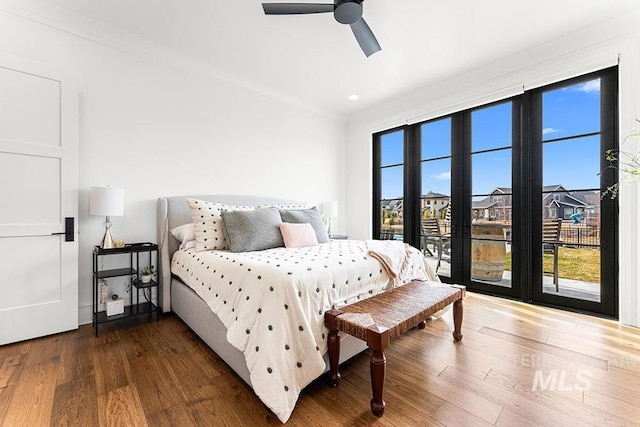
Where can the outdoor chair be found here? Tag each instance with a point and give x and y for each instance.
(550, 245)
(387, 235)
(431, 234)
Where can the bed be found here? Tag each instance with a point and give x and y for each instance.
(262, 311)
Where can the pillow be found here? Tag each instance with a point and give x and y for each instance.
(186, 235)
(289, 205)
(298, 235)
(310, 216)
(207, 222)
(188, 245)
(253, 230)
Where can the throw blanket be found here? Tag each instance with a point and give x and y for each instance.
(393, 255)
(273, 302)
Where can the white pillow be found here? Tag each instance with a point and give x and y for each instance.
(207, 222)
(188, 245)
(185, 234)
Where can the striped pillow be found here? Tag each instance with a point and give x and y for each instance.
(207, 223)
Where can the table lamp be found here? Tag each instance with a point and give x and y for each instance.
(108, 202)
(330, 209)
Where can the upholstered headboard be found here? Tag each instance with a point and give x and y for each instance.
(174, 211)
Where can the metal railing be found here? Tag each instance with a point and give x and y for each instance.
(587, 236)
(580, 236)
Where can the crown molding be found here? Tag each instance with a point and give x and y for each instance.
(66, 21)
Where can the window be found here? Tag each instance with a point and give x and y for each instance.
(510, 166)
(389, 183)
(568, 212)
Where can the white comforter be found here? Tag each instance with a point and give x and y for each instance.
(273, 302)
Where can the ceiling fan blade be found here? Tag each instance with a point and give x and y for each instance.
(296, 8)
(365, 37)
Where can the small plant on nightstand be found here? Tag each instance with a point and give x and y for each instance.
(147, 273)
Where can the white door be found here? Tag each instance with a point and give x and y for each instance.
(38, 190)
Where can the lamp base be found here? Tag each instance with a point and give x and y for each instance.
(107, 241)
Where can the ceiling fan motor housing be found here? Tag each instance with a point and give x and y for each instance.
(347, 11)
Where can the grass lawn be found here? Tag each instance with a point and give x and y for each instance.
(577, 264)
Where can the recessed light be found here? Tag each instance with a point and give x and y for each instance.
(353, 97)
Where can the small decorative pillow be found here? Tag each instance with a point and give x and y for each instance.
(254, 230)
(207, 222)
(185, 234)
(298, 235)
(310, 216)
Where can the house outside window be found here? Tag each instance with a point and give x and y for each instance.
(553, 213)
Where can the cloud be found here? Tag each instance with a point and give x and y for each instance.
(592, 86)
(444, 176)
(549, 130)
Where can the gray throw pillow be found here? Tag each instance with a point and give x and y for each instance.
(252, 230)
(310, 216)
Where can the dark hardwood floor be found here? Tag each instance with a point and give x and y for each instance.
(518, 365)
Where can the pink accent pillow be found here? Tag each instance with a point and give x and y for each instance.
(298, 235)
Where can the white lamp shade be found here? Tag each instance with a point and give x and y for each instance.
(106, 201)
(330, 209)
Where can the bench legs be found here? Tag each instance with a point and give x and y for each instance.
(377, 341)
(333, 345)
(457, 320)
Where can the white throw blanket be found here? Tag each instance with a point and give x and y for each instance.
(393, 255)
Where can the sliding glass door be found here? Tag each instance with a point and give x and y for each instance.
(435, 195)
(576, 233)
(506, 198)
(489, 215)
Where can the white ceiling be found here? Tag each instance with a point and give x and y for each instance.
(316, 61)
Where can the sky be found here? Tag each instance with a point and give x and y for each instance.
(575, 163)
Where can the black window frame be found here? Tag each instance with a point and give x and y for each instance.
(526, 189)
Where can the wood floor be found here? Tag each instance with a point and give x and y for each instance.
(518, 365)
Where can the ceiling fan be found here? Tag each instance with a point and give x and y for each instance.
(344, 11)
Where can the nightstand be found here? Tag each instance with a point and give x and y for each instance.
(140, 256)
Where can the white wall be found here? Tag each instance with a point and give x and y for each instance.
(154, 125)
(578, 53)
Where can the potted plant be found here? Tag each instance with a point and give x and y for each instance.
(628, 163)
(147, 273)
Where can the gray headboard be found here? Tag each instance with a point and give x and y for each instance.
(174, 211)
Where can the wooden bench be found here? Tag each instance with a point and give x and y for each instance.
(383, 317)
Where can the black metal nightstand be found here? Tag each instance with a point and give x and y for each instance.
(133, 271)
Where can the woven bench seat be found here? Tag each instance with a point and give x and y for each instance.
(386, 316)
